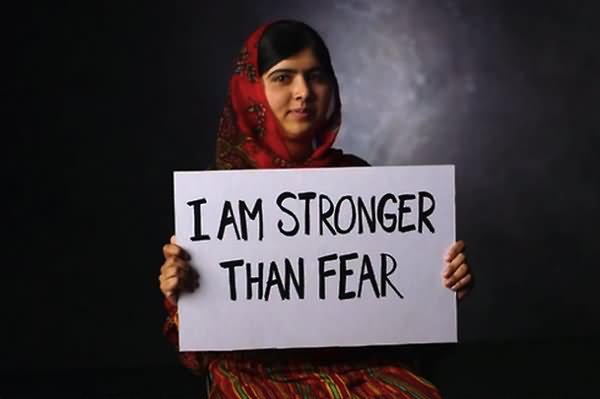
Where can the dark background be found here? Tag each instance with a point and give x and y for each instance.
(110, 98)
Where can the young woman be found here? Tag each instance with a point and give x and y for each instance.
(284, 110)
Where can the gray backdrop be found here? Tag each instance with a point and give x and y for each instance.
(111, 98)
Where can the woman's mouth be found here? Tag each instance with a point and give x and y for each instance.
(300, 113)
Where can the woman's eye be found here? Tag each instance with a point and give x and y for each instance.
(281, 78)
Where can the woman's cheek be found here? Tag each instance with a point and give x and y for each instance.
(278, 103)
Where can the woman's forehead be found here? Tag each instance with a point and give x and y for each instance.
(301, 62)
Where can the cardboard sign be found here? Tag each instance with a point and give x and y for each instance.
(316, 257)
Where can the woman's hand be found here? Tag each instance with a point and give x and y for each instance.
(456, 274)
(176, 274)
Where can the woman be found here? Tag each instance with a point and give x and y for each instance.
(284, 110)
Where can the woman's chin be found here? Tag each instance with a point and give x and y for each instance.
(299, 133)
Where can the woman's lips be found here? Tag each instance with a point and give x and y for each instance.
(300, 113)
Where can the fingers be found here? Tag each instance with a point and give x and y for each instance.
(460, 283)
(452, 267)
(169, 286)
(175, 263)
(173, 271)
(174, 250)
(461, 272)
(175, 268)
(454, 250)
(173, 282)
(456, 274)
(176, 274)
(463, 287)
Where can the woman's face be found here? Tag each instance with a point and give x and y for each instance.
(299, 93)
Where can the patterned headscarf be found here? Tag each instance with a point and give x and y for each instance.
(249, 134)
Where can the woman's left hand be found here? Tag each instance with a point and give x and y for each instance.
(456, 274)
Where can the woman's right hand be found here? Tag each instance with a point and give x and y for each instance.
(176, 274)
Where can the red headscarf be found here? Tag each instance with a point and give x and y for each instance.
(249, 134)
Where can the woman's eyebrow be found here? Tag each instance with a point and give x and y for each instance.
(290, 70)
(283, 70)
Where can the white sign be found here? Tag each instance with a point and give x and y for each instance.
(316, 257)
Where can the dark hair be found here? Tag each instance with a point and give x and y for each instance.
(283, 39)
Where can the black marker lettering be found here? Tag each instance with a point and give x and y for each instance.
(275, 279)
(381, 215)
(338, 208)
(402, 209)
(258, 280)
(323, 274)
(282, 197)
(385, 274)
(231, 265)
(367, 273)
(227, 218)
(324, 215)
(307, 197)
(290, 277)
(344, 273)
(363, 212)
(245, 212)
(196, 204)
(424, 214)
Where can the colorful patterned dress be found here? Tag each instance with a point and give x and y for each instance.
(337, 373)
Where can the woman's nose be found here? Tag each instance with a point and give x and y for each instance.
(301, 88)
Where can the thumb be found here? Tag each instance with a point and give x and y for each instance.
(172, 240)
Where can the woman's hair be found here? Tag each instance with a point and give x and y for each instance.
(283, 39)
